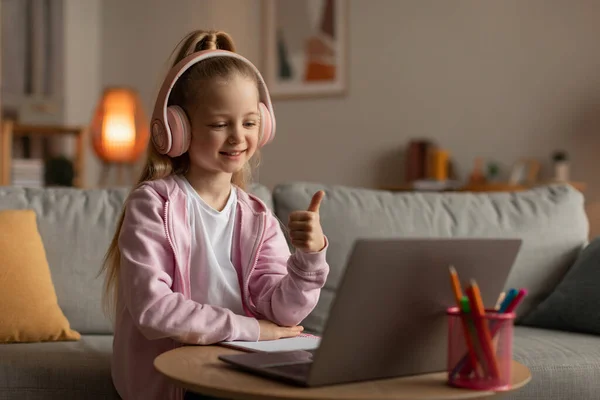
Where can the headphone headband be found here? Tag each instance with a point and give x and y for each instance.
(159, 125)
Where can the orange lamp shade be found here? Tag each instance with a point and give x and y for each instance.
(119, 129)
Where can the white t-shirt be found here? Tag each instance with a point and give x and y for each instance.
(213, 277)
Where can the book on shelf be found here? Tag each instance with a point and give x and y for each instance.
(27, 172)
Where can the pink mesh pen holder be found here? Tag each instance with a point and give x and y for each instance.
(480, 349)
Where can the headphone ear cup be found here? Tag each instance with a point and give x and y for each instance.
(179, 124)
(266, 124)
(160, 137)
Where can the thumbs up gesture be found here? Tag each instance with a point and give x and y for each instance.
(305, 227)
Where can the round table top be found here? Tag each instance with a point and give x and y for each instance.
(198, 369)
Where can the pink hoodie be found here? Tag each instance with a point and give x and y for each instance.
(155, 313)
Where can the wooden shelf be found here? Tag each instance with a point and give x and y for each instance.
(10, 129)
(507, 187)
(489, 187)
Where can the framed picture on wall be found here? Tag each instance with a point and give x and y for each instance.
(305, 47)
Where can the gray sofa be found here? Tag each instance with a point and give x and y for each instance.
(76, 226)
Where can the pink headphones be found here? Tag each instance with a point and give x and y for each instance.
(170, 126)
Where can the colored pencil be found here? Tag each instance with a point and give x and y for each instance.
(510, 296)
(465, 363)
(474, 350)
(499, 301)
(458, 296)
(516, 301)
(482, 329)
(456, 289)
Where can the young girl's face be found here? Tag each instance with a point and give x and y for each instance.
(225, 125)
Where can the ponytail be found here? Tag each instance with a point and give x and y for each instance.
(203, 40)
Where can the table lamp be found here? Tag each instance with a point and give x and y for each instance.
(119, 131)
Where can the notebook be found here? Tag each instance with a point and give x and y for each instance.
(304, 341)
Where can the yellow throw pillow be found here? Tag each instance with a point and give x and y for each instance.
(29, 310)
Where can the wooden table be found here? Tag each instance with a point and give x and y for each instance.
(198, 369)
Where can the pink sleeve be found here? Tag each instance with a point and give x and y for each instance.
(146, 281)
(285, 288)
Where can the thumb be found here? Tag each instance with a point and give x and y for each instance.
(315, 203)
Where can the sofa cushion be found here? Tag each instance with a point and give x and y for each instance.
(572, 306)
(29, 310)
(57, 370)
(76, 227)
(550, 220)
(563, 365)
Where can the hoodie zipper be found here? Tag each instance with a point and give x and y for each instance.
(254, 260)
(179, 393)
(169, 239)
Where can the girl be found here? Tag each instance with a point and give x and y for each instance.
(195, 259)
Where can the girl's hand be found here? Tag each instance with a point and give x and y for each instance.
(271, 331)
(305, 227)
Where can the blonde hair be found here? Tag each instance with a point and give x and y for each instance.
(159, 166)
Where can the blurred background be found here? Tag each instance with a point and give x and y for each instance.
(391, 92)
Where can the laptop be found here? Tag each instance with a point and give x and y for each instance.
(388, 317)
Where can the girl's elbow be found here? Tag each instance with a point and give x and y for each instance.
(150, 332)
(150, 327)
(289, 319)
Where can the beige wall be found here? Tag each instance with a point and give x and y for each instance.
(82, 66)
(498, 79)
(140, 35)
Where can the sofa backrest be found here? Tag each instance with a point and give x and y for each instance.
(76, 227)
(550, 220)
